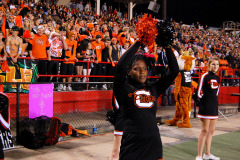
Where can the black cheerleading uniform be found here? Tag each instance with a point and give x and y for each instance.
(138, 105)
(207, 92)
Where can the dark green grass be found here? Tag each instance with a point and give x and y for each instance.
(225, 146)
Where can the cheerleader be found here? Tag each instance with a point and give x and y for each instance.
(208, 108)
(138, 104)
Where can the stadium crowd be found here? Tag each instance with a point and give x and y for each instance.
(76, 34)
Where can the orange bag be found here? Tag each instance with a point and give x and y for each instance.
(1, 88)
(5, 67)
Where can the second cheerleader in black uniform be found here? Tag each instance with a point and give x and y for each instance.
(208, 108)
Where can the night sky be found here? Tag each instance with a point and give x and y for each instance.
(207, 12)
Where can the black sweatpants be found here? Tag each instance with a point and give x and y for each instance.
(98, 70)
(42, 69)
(53, 69)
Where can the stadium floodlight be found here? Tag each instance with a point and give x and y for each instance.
(153, 6)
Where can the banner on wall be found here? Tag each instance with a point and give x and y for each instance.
(40, 100)
(23, 71)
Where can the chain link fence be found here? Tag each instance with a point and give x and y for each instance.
(82, 107)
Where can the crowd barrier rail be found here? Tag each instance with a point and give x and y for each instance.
(235, 73)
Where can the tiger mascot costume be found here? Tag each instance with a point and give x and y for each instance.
(183, 92)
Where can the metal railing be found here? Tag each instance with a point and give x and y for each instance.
(230, 25)
(200, 70)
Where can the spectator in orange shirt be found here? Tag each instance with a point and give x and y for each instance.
(89, 29)
(67, 68)
(105, 28)
(223, 63)
(21, 16)
(124, 36)
(40, 50)
(115, 32)
(229, 74)
(84, 35)
(96, 31)
(97, 46)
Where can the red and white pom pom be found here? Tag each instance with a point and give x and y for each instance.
(147, 30)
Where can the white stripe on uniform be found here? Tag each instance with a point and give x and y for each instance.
(207, 117)
(201, 84)
(118, 133)
(116, 103)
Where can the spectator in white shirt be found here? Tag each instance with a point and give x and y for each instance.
(87, 7)
(124, 48)
(80, 6)
(104, 7)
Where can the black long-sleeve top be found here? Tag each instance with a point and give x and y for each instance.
(138, 102)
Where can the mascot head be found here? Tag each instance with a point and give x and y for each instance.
(186, 62)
